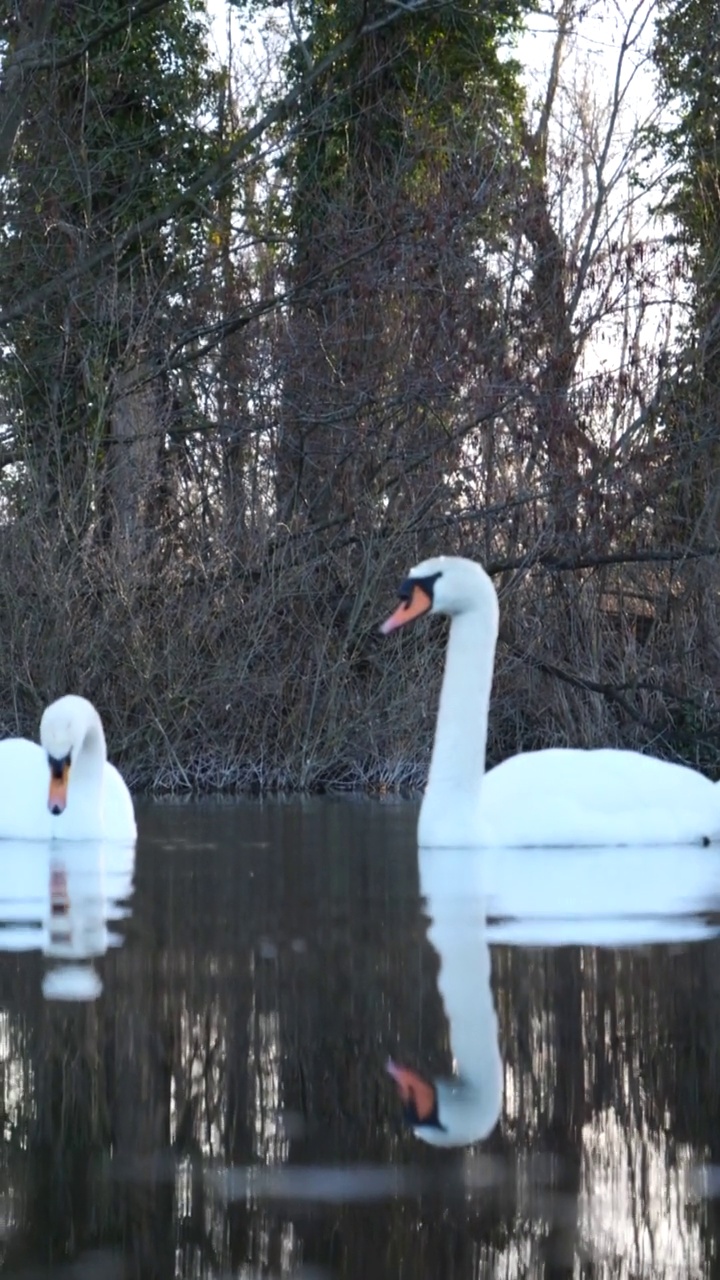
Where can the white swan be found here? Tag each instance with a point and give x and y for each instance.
(465, 1107)
(64, 788)
(558, 796)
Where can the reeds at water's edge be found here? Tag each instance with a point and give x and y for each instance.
(225, 672)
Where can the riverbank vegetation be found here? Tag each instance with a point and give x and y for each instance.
(275, 327)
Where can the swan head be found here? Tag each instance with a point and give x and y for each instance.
(450, 1113)
(419, 1099)
(64, 728)
(451, 585)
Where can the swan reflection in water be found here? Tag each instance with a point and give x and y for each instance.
(466, 1107)
(615, 897)
(61, 898)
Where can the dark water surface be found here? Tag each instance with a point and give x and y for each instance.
(193, 1053)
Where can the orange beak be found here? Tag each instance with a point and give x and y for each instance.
(413, 1089)
(415, 606)
(57, 795)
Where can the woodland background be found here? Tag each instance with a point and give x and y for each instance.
(278, 322)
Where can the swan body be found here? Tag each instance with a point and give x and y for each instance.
(556, 796)
(64, 788)
(465, 1107)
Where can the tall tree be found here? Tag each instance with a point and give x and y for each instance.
(112, 129)
(687, 53)
(396, 188)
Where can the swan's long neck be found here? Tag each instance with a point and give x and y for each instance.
(465, 985)
(458, 756)
(89, 762)
(470, 1103)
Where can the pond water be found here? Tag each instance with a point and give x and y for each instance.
(194, 1048)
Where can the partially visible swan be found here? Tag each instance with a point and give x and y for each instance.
(465, 1107)
(558, 796)
(64, 788)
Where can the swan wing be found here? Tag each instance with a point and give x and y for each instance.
(575, 797)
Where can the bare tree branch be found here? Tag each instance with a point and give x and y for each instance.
(16, 83)
(205, 184)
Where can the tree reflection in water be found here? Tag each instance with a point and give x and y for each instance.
(221, 1108)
